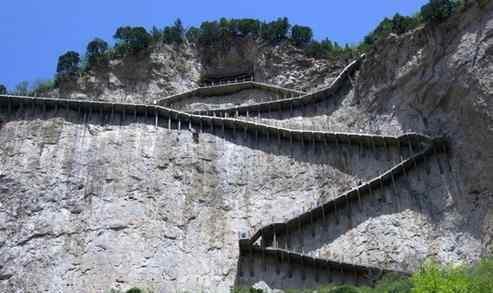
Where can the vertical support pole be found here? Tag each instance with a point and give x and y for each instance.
(324, 221)
(435, 154)
(223, 128)
(446, 153)
(396, 194)
(335, 214)
(374, 148)
(113, 112)
(411, 153)
(33, 109)
(179, 124)
(399, 151)
(359, 198)
(156, 119)
(262, 244)
(252, 262)
(101, 114)
(349, 206)
(311, 223)
(135, 114)
(9, 107)
(169, 121)
(45, 114)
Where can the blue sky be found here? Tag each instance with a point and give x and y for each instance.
(34, 32)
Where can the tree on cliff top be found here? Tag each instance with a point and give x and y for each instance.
(174, 34)
(96, 53)
(132, 40)
(67, 67)
(438, 10)
(3, 89)
(301, 35)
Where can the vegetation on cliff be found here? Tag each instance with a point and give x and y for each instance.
(137, 41)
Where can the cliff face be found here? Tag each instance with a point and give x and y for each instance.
(95, 200)
(170, 70)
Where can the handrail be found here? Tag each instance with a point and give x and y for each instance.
(289, 102)
(295, 135)
(307, 260)
(224, 89)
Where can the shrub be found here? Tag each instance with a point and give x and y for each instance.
(41, 87)
(132, 40)
(301, 35)
(22, 88)
(344, 289)
(482, 277)
(438, 10)
(433, 278)
(3, 89)
(97, 53)
(134, 290)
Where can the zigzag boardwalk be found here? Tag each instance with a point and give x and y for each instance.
(269, 247)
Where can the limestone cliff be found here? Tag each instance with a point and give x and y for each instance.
(169, 70)
(98, 195)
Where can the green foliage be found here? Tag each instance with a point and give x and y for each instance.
(482, 277)
(439, 10)
(431, 278)
(275, 31)
(398, 25)
(344, 289)
(68, 66)
(96, 53)
(301, 35)
(3, 89)
(435, 279)
(41, 87)
(132, 40)
(482, 3)
(193, 34)
(174, 34)
(330, 50)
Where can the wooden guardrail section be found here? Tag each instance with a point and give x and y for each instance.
(227, 89)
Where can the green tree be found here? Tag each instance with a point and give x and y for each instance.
(275, 31)
(301, 35)
(209, 33)
(438, 10)
(3, 89)
(248, 26)
(174, 34)
(132, 40)
(156, 35)
(97, 53)
(68, 64)
(40, 87)
(22, 88)
(193, 34)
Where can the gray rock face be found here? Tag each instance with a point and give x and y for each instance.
(87, 205)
